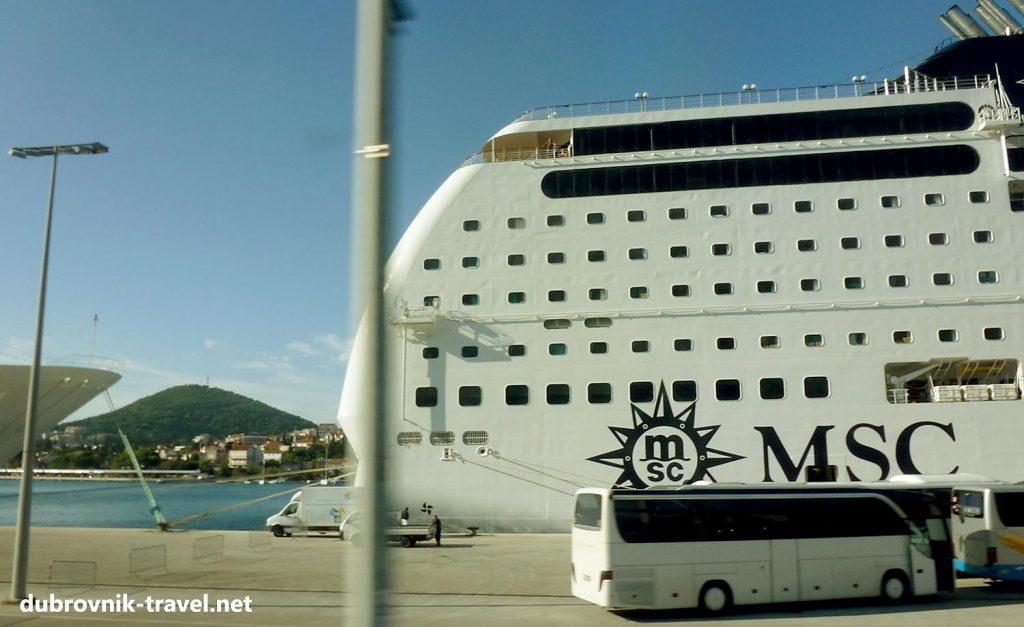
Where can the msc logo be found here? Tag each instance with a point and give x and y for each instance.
(663, 448)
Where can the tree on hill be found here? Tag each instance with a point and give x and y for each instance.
(177, 414)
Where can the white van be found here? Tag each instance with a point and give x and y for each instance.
(318, 509)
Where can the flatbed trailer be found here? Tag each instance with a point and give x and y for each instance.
(407, 536)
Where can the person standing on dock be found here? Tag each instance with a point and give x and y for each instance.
(435, 529)
(405, 517)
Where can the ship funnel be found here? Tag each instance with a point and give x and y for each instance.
(990, 19)
(997, 18)
(964, 23)
(1019, 5)
(956, 30)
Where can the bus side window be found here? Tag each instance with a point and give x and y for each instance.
(1011, 508)
(631, 517)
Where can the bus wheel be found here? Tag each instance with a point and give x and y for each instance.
(715, 596)
(406, 542)
(894, 586)
(278, 531)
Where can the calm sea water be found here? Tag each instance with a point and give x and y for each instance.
(123, 504)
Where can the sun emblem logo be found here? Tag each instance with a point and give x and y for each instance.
(664, 448)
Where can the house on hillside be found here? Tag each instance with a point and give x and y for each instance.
(303, 443)
(214, 453)
(246, 438)
(310, 432)
(243, 455)
(272, 452)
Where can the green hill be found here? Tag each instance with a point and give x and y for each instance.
(177, 414)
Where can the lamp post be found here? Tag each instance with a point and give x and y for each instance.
(641, 97)
(857, 82)
(749, 90)
(20, 570)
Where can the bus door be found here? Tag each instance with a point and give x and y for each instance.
(942, 553)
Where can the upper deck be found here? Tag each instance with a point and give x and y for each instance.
(519, 142)
(753, 95)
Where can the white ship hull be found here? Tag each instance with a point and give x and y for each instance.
(879, 330)
(62, 391)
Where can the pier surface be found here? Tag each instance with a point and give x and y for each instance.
(489, 579)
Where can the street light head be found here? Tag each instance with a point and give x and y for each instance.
(93, 148)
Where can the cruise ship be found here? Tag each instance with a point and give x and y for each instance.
(64, 387)
(749, 287)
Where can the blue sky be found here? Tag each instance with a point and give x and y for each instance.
(212, 241)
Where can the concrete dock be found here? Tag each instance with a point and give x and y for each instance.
(492, 580)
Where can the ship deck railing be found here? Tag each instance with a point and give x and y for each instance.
(918, 83)
(75, 361)
(88, 361)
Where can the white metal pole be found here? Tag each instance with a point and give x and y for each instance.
(28, 449)
(368, 575)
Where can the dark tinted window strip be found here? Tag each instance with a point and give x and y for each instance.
(755, 172)
(786, 127)
(1017, 159)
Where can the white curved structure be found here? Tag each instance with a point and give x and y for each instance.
(62, 391)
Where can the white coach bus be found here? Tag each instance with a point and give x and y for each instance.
(714, 546)
(988, 531)
(986, 522)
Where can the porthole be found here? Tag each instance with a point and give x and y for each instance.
(772, 388)
(816, 387)
(469, 396)
(557, 323)
(727, 390)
